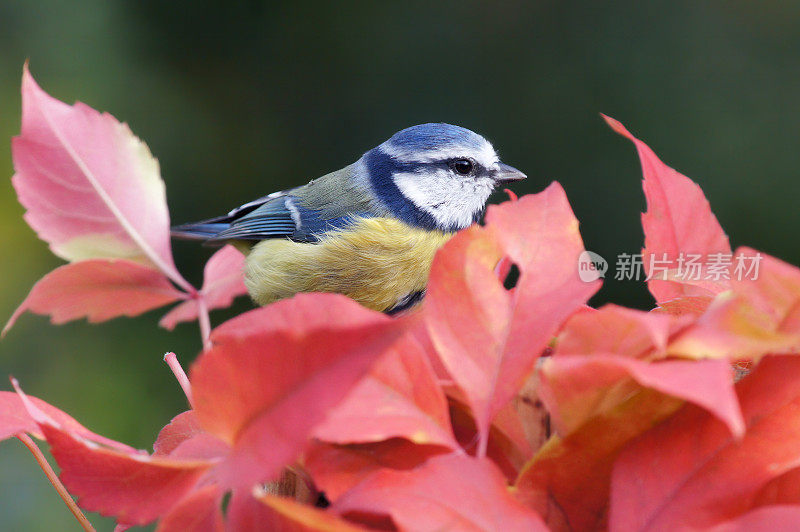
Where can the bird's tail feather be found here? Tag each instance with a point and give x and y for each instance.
(200, 230)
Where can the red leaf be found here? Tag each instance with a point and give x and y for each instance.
(784, 489)
(183, 437)
(280, 514)
(90, 187)
(245, 513)
(419, 331)
(200, 511)
(15, 419)
(450, 492)
(619, 330)
(781, 518)
(760, 316)
(337, 468)
(690, 305)
(400, 397)
(576, 388)
(689, 471)
(525, 421)
(775, 292)
(678, 221)
(568, 481)
(223, 281)
(275, 372)
(487, 337)
(98, 290)
(509, 452)
(183, 427)
(133, 487)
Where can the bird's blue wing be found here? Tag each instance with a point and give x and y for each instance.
(301, 214)
(282, 216)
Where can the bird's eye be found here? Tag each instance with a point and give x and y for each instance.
(462, 166)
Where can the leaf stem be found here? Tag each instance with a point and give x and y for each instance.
(53, 478)
(483, 443)
(172, 361)
(205, 322)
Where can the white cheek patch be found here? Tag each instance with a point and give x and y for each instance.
(451, 201)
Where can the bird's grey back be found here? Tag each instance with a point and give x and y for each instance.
(340, 193)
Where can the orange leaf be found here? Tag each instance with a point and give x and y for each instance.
(576, 388)
(568, 480)
(758, 316)
(689, 471)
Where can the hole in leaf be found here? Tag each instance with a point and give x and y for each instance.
(512, 277)
(322, 500)
(225, 502)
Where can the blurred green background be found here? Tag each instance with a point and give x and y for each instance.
(238, 99)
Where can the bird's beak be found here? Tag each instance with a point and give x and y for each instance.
(506, 174)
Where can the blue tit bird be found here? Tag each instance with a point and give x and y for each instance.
(370, 230)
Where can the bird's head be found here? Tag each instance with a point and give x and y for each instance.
(437, 176)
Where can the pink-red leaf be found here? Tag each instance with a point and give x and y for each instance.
(245, 513)
(133, 487)
(773, 289)
(15, 418)
(761, 315)
(678, 221)
(449, 492)
(200, 511)
(784, 489)
(183, 427)
(690, 472)
(779, 518)
(337, 468)
(275, 372)
(223, 281)
(98, 289)
(568, 481)
(400, 397)
(507, 451)
(279, 514)
(90, 187)
(619, 330)
(489, 338)
(184, 438)
(576, 388)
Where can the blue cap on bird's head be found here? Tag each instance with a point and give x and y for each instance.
(424, 137)
(437, 175)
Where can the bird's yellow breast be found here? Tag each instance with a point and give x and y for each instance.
(375, 261)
